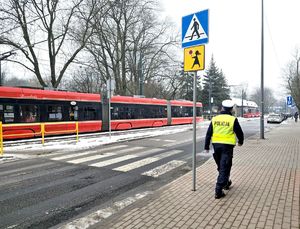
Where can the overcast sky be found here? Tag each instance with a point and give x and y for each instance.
(235, 36)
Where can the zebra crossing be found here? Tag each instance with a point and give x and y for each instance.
(125, 158)
(53, 183)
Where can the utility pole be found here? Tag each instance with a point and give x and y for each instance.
(262, 128)
(140, 74)
(209, 97)
(242, 103)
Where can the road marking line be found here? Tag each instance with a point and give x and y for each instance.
(140, 163)
(72, 155)
(177, 143)
(182, 142)
(80, 160)
(112, 161)
(82, 154)
(170, 140)
(150, 151)
(162, 169)
(91, 158)
(97, 216)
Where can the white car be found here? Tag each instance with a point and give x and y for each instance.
(275, 118)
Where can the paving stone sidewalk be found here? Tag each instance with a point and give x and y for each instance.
(265, 192)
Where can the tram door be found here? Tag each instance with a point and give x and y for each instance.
(105, 119)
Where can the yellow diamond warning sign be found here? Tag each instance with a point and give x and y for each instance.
(194, 58)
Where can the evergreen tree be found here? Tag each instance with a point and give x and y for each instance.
(186, 85)
(216, 82)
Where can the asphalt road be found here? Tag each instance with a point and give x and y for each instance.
(51, 190)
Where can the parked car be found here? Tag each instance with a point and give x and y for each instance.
(275, 118)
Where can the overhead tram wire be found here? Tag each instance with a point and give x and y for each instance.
(272, 41)
(28, 23)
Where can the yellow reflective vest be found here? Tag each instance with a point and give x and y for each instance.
(223, 129)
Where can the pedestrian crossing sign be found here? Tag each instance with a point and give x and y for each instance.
(194, 58)
(195, 29)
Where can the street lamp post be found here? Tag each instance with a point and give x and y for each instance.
(209, 97)
(242, 113)
(262, 134)
(140, 75)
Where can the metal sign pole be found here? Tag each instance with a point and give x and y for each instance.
(194, 130)
(109, 109)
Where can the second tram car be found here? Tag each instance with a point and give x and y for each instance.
(22, 110)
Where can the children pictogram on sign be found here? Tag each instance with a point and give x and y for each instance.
(196, 59)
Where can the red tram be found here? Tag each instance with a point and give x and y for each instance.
(22, 110)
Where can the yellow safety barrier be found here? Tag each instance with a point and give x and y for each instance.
(1, 139)
(77, 130)
(42, 132)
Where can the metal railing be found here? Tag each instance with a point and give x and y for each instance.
(43, 132)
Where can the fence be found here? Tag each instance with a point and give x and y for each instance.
(43, 132)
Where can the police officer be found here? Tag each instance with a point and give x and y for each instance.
(222, 132)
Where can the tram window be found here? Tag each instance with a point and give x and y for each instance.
(73, 113)
(199, 111)
(182, 111)
(136, 111)
(28, 113)
(54, 113)
(89, 113)
(187, 112)
(176, 111)
(9, 115)
(122, 111)
(1, 113)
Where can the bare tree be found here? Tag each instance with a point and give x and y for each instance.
(53, 31)
(131, 45)
(292, 77)
(16, 82)
(85, 80)
(269, 99)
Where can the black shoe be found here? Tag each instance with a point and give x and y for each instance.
(227, 186)
(220, 195)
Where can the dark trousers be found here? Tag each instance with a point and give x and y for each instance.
(223, 154)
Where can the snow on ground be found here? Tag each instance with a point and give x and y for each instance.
(69, 145)
(84, 143)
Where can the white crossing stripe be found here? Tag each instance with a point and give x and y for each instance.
(112, 161)
(146, 161)
(182, 142)
(177, 143)
(155, 139)
(150, 151)
(170, 140)
(161, 140)
(91, 158)
(162, 169)
(82, 154)
(72, 155)
(136, 164)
